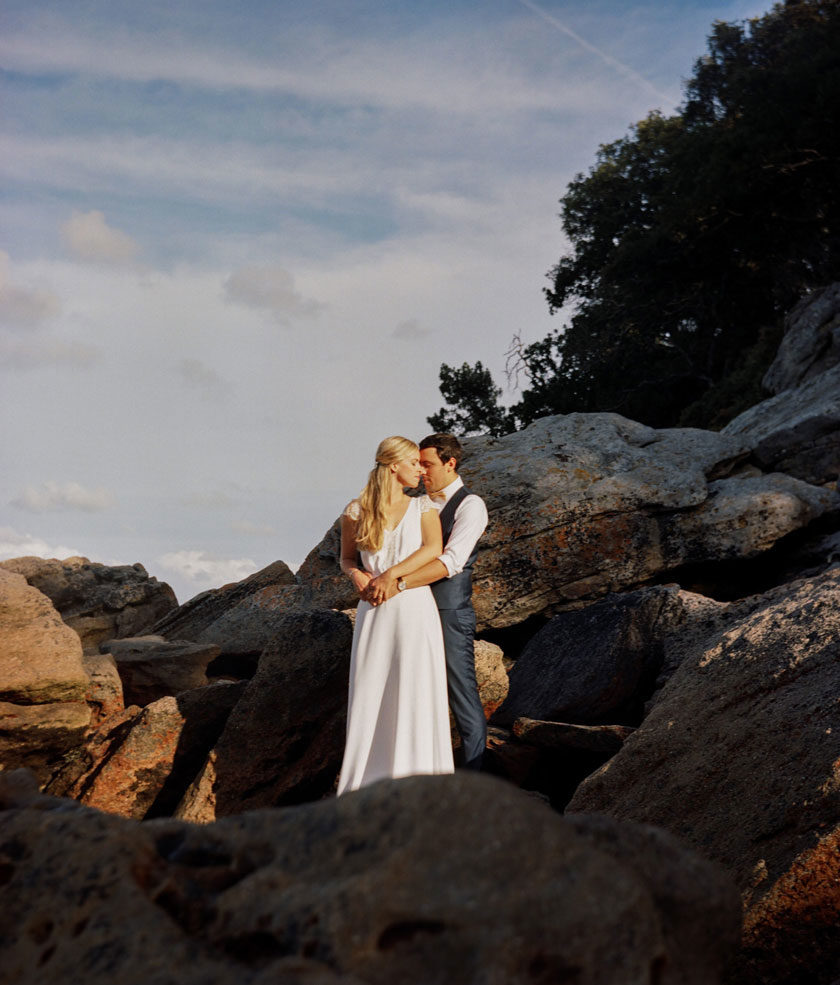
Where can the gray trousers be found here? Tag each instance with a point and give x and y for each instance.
(458, 636)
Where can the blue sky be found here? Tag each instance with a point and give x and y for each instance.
(239, 239)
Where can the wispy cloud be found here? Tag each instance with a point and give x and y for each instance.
(29, 354)
(89, 237)
(410, 329)
(203, 378)
(200, 568)
(23, 306)
(52, 496)
(272, 289)
(13, 543)
(668, 99)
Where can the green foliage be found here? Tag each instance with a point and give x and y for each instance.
(693, 234)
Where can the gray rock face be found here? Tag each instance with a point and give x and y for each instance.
(797, 431)
(151, 668)
(586, 504)
(739, 756)
(284, 741)
(811, 343)
(97, 601)
(389, 884)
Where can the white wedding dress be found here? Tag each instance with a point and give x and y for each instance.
(398, 714)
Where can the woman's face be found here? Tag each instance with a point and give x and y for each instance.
(409, 471)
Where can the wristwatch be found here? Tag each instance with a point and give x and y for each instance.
(401, 585)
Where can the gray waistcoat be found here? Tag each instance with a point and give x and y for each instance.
(454, 592)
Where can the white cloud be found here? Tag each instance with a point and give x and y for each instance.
(272, 288)
(252, 529)
(20, 306)
(203, 378)
(31, 354)
(199, 568)
(410, 329)
(15, 544)
(53, 496)
(89, 237)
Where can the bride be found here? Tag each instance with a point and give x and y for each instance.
(397, 718)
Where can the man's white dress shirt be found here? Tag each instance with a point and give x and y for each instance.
(469, 524)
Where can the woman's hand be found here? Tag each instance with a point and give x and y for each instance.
(361, 580)
(381, 588)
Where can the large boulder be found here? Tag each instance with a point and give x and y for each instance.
(811, 343)
(43, 681)
(98, 601)
(196, 619)
(151, 667)
(284, 740)
(598, 665)
(798, 430)
(739, 756)
(393, 883)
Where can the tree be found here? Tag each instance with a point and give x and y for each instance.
(694, 233)
(475, 402)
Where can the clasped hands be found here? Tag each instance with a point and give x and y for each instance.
(380, 589)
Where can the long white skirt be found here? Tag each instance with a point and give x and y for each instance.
(398, 716)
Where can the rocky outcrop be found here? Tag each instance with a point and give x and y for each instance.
(105, 691)
(152, 668)
(739, 757)
(600, 664)
(230, 615)
(98, 601)
(811, 343)
(797, 431)
(284, 740)
(43, 681)
(389, 884)
(139, 763)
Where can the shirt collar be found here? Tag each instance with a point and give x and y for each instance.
(449, 491)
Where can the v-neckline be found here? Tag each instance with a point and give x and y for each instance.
(391, 530)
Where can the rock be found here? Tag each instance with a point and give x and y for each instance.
(140, 764)
(811, 343)
(37, 736)
(583, 505)
(739, 757)
(598, 665)
(105, 691)
(490, 675)
(388, 884)
(196, 620)
(562, 735)
(151, 668)
(797, 431)
(42, 658)
(284, 740)
(99, 602)
(43, 681)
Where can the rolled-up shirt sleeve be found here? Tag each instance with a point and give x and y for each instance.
(470, 524)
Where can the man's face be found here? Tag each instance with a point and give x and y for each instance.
(436, 474)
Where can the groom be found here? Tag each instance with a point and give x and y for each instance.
(463, 518)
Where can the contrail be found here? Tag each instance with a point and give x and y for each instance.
(620, 67)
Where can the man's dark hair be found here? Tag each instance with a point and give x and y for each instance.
(446, 445)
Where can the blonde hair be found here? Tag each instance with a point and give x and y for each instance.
(370, 530)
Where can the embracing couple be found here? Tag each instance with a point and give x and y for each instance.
(410, 559)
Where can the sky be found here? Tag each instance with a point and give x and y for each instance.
(237, 241)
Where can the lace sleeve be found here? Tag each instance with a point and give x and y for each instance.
(352, 509)
(426, 504)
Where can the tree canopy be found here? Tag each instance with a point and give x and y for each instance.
(690, 237)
